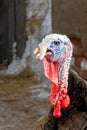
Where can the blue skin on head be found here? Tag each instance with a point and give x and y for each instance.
(58, 48)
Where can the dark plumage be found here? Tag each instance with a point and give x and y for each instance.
(74, 117)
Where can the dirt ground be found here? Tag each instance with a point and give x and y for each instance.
(22, 101)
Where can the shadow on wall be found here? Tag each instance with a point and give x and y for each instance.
(79, 60)
(3, 31)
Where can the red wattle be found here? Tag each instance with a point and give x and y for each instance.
(65, 102)
(57, 111)
(58, 97)
(51, 71)
(53, 93)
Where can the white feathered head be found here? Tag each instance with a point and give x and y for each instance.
(56, 50)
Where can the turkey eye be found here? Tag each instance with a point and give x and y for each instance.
(56, 43)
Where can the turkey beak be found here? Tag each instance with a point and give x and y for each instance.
(42, 51)
(36, 51)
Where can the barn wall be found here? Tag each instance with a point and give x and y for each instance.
(38, 24)
(70, 17)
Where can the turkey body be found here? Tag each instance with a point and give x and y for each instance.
(74, 117)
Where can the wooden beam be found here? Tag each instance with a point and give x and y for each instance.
(20, 26)
(17, 20)
(11, 28)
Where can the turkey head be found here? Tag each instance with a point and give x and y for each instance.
(56, 50)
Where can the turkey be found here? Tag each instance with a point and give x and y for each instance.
(68, 94)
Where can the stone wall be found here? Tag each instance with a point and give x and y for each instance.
(70, 17)
(38, 25)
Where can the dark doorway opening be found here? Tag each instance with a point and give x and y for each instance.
(4, 35)
(12, 28)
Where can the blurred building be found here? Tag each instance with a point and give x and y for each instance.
(12, 28)
(70, 18)
(26, 22)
